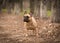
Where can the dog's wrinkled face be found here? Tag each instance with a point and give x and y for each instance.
(26, 18)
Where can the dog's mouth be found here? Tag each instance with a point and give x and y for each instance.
(26, 19)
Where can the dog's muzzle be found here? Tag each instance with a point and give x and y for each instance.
(26, 19)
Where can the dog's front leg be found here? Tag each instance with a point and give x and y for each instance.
(25, 27)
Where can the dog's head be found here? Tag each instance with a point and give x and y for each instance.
(26, 19)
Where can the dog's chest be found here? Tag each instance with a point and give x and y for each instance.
(30, 26)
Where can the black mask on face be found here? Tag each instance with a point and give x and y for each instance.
(26, 19)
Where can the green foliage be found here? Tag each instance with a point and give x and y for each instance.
(48, 13)
(28, 11)
(4, 10)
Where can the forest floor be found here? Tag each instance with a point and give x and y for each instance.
(12, 30)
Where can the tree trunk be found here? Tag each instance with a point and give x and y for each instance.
(35, 8)
(43, 9)
(21, 5)
(56, 11)
(32, 4)
(16, 8)
(38, 7)
(26, 4)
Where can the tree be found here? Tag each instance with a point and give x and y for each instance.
(55, 11)
(43, 8)
(26, 4)
(32, 5)
(21, 5)
(37, 8)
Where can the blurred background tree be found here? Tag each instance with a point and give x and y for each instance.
(40, 8)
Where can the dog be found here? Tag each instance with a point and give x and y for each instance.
(30, 24)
